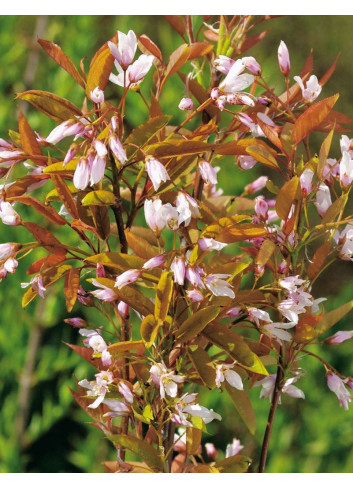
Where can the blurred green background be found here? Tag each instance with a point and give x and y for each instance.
(41, 428)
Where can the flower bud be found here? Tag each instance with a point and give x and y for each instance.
(97, 95)
(215, 93)
(76, 322)
(339, 337)
(123, 309)
(221, 102)
(283, 59)
(211, 451)
(256, 185)
(186, 104)
(252, 65)
(261, 208)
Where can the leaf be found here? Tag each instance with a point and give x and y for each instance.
(99, 197)
(62, 59)
(59, 167)
(196, 323)
(312, 117)
(142, 134)
(141, 448)
(45, 263)
(177, 147)
(235, 346)
(324, 79)
(151, 47)
(323, 155)
(72, 284)
(99, 71)
(243, 406)
(335, 208)
(251, 41)
(265, 252)
(65, 195)
(176, 60)
(120, 261)
(203, 365)
(49, 278)
(241, 232)
(43, 236)
(46, 211)
(140, 246)
(193, 440)
(332, 317)
(198, 49)
(262, 155)
(149, 329)
(177, 22)
(318, 260)
(286, 197)
(57, 108)
(101, 220)
(29, 142)
(235, 464)
(164, 293)
(124, 346)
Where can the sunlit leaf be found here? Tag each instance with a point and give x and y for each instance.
(164, 292)
(196, 323)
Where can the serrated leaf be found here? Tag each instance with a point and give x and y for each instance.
(141, 448)
(99, 197)
(243, 406)
(196, 323)
(164, 293)
(312, 118)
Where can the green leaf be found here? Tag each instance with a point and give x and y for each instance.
(57, 108)
(99, 197)
(149, 329)
(196, 323)
(142, 134)
(141, 448)
(243, 405)
(163, 296)
(234, 464)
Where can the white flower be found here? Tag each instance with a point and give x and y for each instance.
(268, 386)
(233, 448)
(166, 380)
(312, 89)
(323, 199)
(346, 170)
(218, 286)
(225, 372)
(156, 171)
(235, 81)
(8, 215)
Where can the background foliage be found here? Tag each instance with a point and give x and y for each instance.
(41, 428)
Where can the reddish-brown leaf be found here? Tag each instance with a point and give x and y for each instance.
(201, 95)
(44, 237)
(198, 49)
(47, 211)
(318, 260)
(71, 286)
(286, 197)
(324, 79)
(29, 142)
(176, 60)
(150, 47)
(62, 59)
(177, 22)
(251, 41)
(308, 65)
(57, 108)
(45, 263)
(312, 117)
(65, 195)
(100, 70)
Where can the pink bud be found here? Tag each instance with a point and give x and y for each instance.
(233, 312)
(11, 265)
(306, 181)
(208, 173)
(221, 102)
(97, 95)
(8, 249)
(252, 65)
(84, 298)
(261, 208)
(209, 244)
(339, 337)
(282, 267)
(117, 149)
(211, 450)
(156, 171)
(8, 215)
(256, 185)
(114, 123)
(70, 154)
(186, 104)
(195, 295)
(100, 272)
(178, 268)
(123, 309)
(128, 277)
(76, 322)
(154, 262)
(215, 93)
(246, 162)
(336, 385)
(283, 59)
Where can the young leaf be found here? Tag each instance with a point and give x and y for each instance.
(71, 286)
(64, 61)
(99, 72)
(203, 365)
(198, 49)
(140, 246)
(318, 260)
(57, 108)
(65, 195)
(261, 154)
(265, 252)
(150, 47)
(193, 440)
(29, 142)
(164, 293)
(119, 261)
(243, 405)
(286, 197)
(332, 317)
(142, 134)
(124, 346)
(177, 22)
(176, 60)
(235, 464)
(335, 208)
(99, 197)
(141, 448)
(46, 211)
(312, 117)
(196, 323)
(149, 329)
(323, 155)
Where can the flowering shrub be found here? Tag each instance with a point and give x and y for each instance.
(215, 291)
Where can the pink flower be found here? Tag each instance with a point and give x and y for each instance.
(331, 170)
(268, 386)
(261, 208)
(211, 451)
(312, 89)
(70, 155)
(125, 391)
(218, 286)
(339, 337)
(235, 81)
(209, 244)
(233, 448)
(346, 144)
(336, 385)
(194, 276)
(215, 93)
(233, 312)
(248, 122)
(99, 388)
(283, 59)
(8, 215)
(128, 277)
(123, 309)
(178, 269)
(166, 380)
(156, 171)
(65, 129)
(170, 216)
(246, 162)
(187, 208)
(257, 315)
(208, 173)
(82, 174)
(256, 185)
(134, 73)
(104, 294)
(323, 199)
(153, 215)
(306, 181)
(11, 265)
(252, 65)
(225, 372)
(117, 149)
(346, 170)
(186, 103)
(154, 262)
(194, 295)
(97, 95)
(76, 322)
(37, 284)
(125, 51)
(223, 64)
